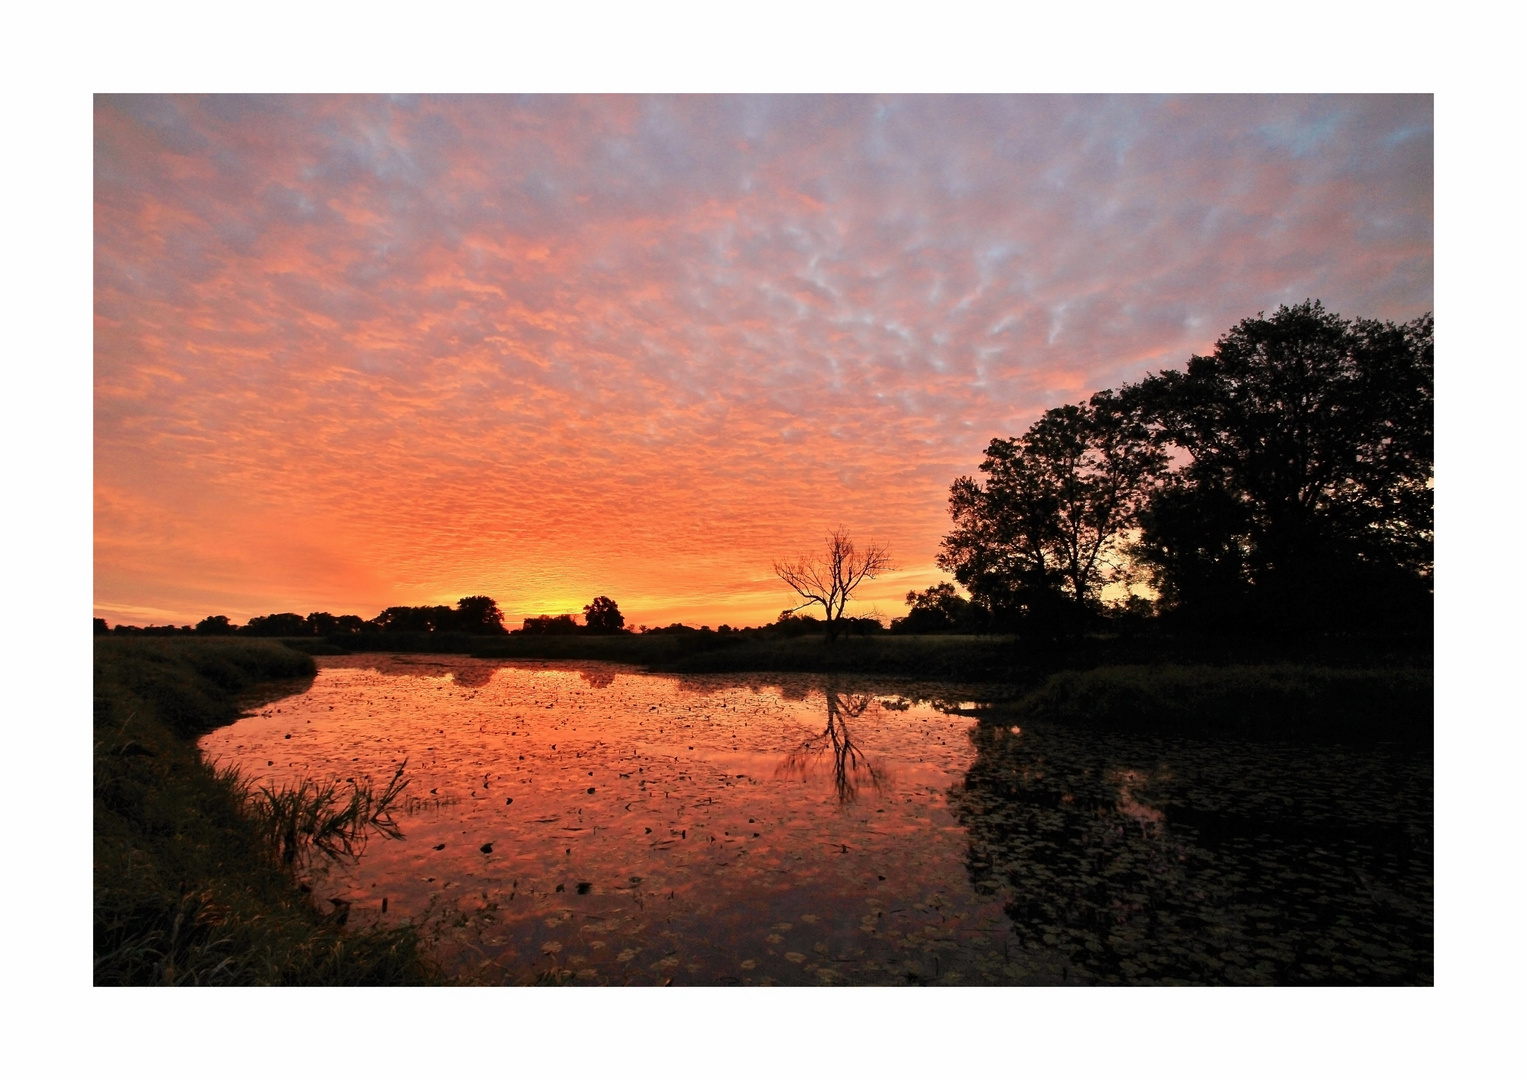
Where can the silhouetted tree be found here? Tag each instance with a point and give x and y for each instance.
(602, 616)
(1050, 517)
(549, 624)
(479, 615)
(1308, 486)
(215, 624)
(101, 627)
(829, 579)
(937, 609)
(426, 619)
(283, 624)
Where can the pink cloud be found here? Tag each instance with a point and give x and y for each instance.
(359, 351)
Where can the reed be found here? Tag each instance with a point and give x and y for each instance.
(191, 884)
(325, 818)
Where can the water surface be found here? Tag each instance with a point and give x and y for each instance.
(591, 823)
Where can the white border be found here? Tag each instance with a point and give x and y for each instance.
(60, 55)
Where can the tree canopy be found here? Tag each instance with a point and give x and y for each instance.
(602, 616)
(1047, 522)
(1307, 489)
(1283, 480)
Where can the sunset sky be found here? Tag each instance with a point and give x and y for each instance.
(356, 352)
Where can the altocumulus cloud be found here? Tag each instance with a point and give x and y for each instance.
(360, 351)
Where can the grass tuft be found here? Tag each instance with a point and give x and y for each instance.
(190, 887)
(311, 816)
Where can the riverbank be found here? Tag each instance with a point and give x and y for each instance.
(1285, 700)
(187, 888)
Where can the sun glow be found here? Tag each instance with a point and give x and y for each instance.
(353, 353)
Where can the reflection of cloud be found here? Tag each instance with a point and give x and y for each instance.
(353, 351)
(1130, 781)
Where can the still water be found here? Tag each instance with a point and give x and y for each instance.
(592, 824)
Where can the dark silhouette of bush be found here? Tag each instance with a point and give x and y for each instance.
(284, 624)
(790, 624)
(938, 609)
(548, 625)
(672, 628)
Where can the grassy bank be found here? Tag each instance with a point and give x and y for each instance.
(1243, 699)
(189, 886)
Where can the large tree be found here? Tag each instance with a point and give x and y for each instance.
(1306, 484)
(602, 616)
(1048, 520)
(479, 615)
(829, 579)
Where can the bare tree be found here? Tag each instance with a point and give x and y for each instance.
(831, 578)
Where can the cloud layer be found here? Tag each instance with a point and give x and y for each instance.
(353, 352)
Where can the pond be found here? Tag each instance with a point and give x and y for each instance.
(589, 823)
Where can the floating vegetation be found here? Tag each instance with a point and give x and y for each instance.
(810, 830)
(1161, 859)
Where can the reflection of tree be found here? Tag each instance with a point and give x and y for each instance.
(850, 767)
(1090, 869)
(1133, 876)
(475, 676)
(598, 678)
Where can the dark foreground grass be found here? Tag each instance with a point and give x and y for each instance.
(191, 887)
(1295, 700)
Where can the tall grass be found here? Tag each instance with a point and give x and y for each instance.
(325, 818)
(191, 883)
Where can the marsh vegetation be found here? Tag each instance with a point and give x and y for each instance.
(194, 881)
(593, 823)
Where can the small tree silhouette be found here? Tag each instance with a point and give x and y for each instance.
(830, 579)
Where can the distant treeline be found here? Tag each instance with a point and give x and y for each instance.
(1280, 486)
(471, 615)
(480, 615)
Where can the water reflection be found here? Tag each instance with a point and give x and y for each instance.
(850, 767)
(598, 678)
(587, 822)
(1156, 859)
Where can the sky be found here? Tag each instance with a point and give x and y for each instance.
(353, 352)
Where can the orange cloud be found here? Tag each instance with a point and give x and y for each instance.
(354, 352)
